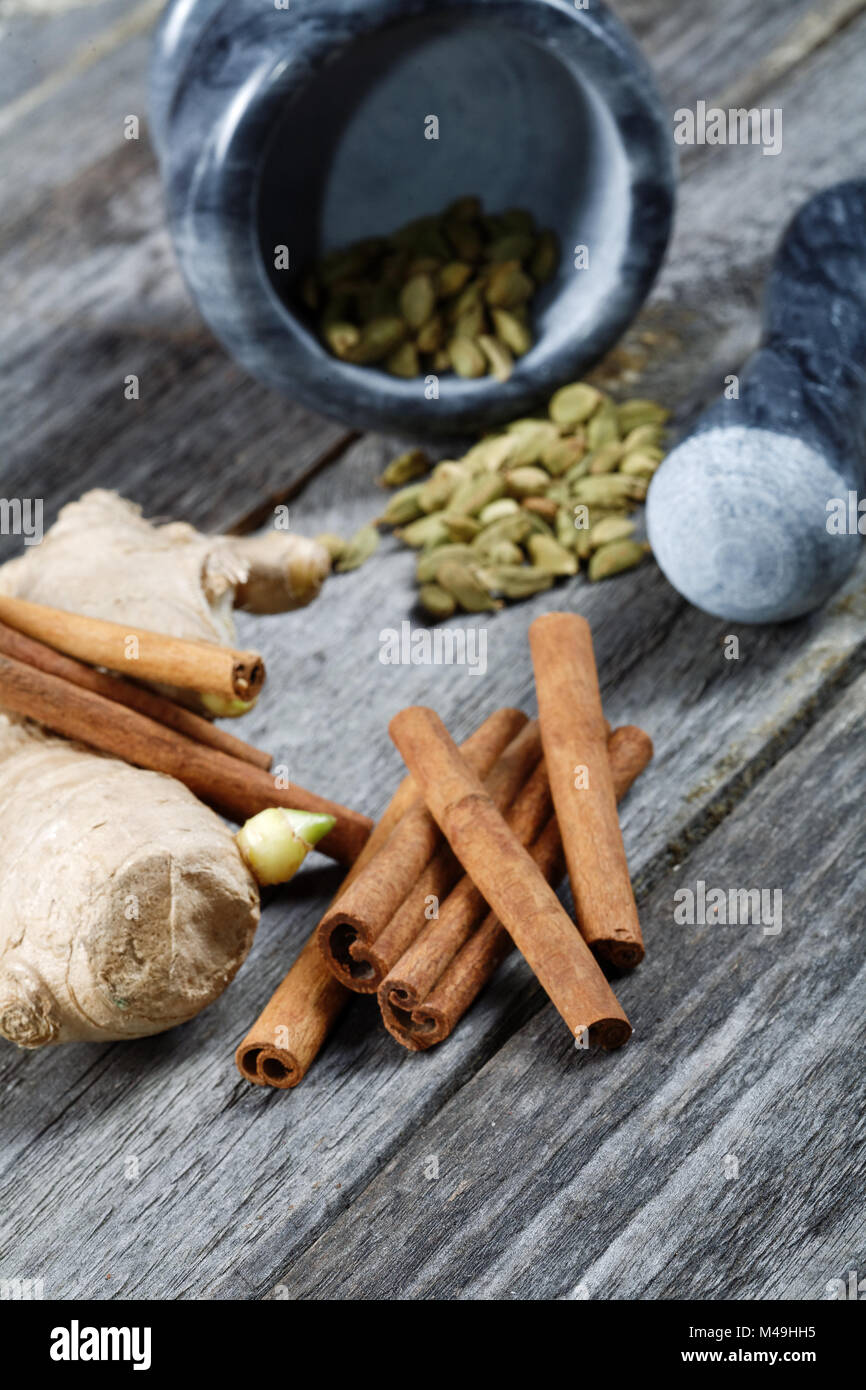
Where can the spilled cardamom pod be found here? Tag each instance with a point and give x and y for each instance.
(363, 544)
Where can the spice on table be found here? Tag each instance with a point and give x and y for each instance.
(133, 651)
(348, 932)
(429, 989)
(444, 293)
(509, 879)
(534, 502)
(503, 783)
(575, 751)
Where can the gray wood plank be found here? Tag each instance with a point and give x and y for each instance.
(719, 1155)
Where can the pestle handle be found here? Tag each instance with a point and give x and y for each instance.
(737, 514)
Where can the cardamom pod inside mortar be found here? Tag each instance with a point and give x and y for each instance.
(444, 293)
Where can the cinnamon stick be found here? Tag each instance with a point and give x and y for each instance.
(430, 989)
(509, 879)
(158, 707)
(286, 1037)
(235, 788)
(283, 1042)
(349, 930)
(575, 751)
(205, 667)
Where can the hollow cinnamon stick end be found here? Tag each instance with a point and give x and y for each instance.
(349, 956)
(246, 1059)
(610, 1033)
(248, 675)
(278, 1068)
(623, 955)
(414, 1025)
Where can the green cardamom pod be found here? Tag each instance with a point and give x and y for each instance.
(461, 528)
(606, 458)
(341, 337)
(464, 582)
(545, 507)
(572, 405)
(497, 354)
(467, 359)
(527, 481)
(562, 454)
(603, 428)
(404, 506)
(633, 414)
(609, 490)
(640, 464)
(426, 532)
(379, 338)
(514, 246)
(503, 553)
(471, 497)
(414, 463)
(516, 581)
(508, 528)
(551, 557)
(643, 437)
(564, 528)
(437, 491)
(533, 439)
(436, 601)
(491, 453)
(508, 286)
(432, 336)
(611, 528)
(363, 544)
(404, 362)
(418, 300)
(615, 557)
(453, 278)
(430, 560)
(514, 333)
(495, 511)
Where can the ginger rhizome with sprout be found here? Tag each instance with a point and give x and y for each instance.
(126, 905)
(103, 559)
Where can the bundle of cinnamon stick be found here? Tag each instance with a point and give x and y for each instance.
(463, 866)
(40, 680)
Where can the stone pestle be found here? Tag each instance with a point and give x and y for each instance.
(744, 514)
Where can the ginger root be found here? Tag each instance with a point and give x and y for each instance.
(126, 906)
(102, 558)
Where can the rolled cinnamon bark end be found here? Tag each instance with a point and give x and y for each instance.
(575, 751)
(509, 879)
(349, 931)
(283, 1041)
(204, 667)
(248, 675)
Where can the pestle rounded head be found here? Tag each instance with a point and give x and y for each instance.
(737, 519)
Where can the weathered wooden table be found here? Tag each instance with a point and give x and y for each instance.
(718, 1155)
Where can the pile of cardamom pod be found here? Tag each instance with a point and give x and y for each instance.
(526, 505)
(444, 293)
